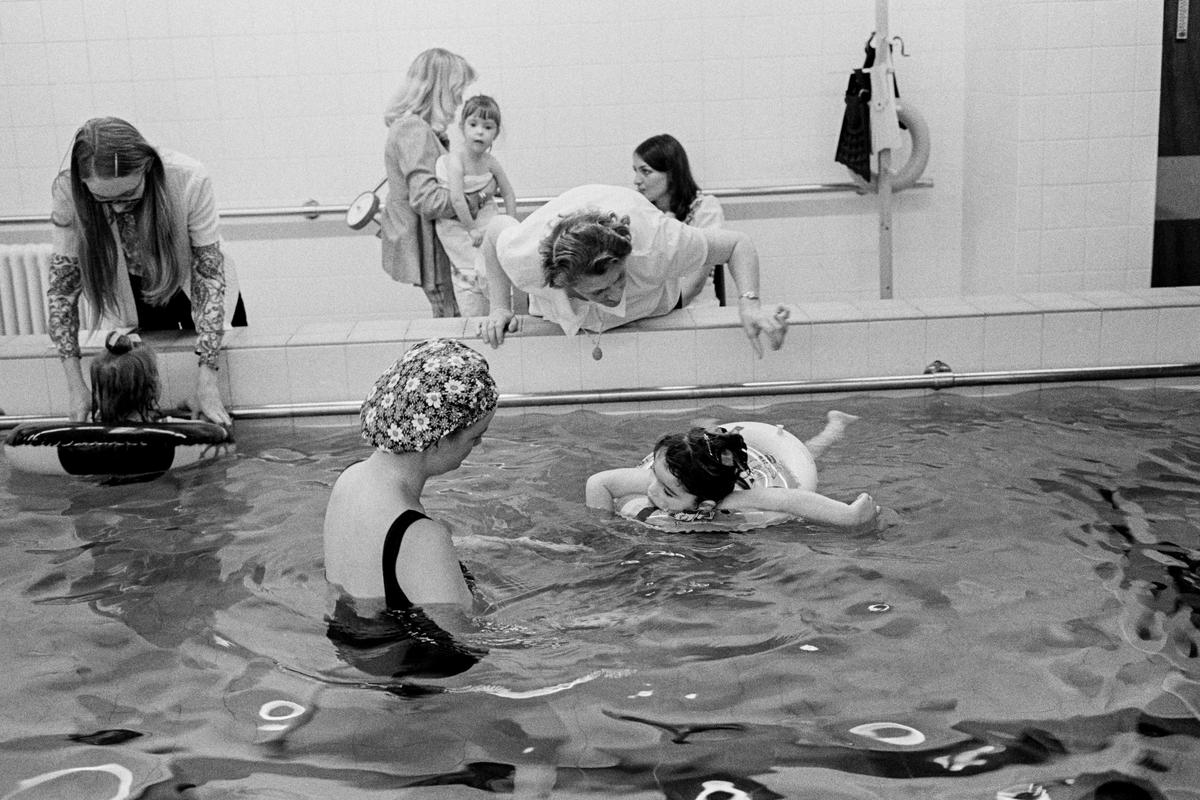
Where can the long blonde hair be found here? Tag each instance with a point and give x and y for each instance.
(432, 89)
(107, 147)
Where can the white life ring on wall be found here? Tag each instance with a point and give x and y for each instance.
(776, 459)
(907, 176)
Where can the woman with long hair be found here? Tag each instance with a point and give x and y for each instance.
(417, 118)
(136, 234)
(663, 174)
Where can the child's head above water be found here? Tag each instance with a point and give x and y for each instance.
(124, 381)
(482, 107)
(697, 469)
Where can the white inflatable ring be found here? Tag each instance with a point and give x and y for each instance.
(776, 459)
(82, 448)
(906, 177)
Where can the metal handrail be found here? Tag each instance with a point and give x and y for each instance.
(316, 211)
(928, 380)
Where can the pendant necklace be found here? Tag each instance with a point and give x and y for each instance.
(597, 353)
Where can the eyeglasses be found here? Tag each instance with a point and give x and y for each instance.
(125, 197)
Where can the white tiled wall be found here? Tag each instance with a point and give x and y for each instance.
(1042, 116)
(1062, 139)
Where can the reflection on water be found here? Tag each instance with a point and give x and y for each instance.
(1029, 621)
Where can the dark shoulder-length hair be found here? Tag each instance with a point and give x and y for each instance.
(107, 147)
(583, 243)
(709, 463)
(665, 154)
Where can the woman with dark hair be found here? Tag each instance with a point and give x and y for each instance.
(597, 257)
(662, 173)
(136, 234)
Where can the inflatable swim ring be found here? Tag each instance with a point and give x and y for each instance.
(906, 176)
(776, 459)
(83, 448)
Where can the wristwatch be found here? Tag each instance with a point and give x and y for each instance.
(751, 295)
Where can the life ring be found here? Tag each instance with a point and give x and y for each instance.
(83, 448)
(776, 459)
(918, 158)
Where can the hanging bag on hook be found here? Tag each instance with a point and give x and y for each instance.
(854, 141)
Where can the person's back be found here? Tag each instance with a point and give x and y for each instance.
(401, 591)
(361, 508)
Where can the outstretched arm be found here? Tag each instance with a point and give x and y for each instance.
(811, 506)
(737, 250)
(506, 189)
(501, 319)
(604, 488)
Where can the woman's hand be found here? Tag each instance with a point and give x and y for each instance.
(477, 236)
(80, 402)
(79, 397)
(496, 325)
(769, 321)
(206, 403)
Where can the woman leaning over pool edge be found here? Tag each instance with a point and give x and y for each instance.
(425, 414)
(597, 257)
(136, 233)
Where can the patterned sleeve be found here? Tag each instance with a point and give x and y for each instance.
(208, 300)
(66, 282)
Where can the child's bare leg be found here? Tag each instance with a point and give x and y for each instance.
(835, 426)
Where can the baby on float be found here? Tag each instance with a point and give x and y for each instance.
(736, 476)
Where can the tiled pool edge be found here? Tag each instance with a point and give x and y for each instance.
(337, 361)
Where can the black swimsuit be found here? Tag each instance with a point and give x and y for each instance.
(400, 641)
(393, 595)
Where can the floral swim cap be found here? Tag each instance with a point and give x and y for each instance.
(438, 387)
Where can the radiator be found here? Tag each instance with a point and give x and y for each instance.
(24, 278)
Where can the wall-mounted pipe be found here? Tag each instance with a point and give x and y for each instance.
(933, 380)
(315, 211)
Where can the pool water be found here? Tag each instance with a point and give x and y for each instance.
(1026, 621)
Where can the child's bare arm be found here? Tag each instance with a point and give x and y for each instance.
(458, 196)
(811, 506)
(506, 189)
(604, 488)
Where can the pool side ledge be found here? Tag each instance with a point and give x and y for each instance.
(336, 362)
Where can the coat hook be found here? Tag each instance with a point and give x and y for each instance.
(903, 52)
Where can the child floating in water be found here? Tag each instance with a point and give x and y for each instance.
(705, 473)
(125, 381)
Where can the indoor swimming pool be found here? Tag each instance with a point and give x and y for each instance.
(1024, 623)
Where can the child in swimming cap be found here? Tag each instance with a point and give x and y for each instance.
(706, 470)
(125, 382)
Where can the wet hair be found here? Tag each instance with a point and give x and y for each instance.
(482, 106)
(124, 381)
(664, 153)
(583, 243)
(709, 463)
(432, 88)
(108, 147)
